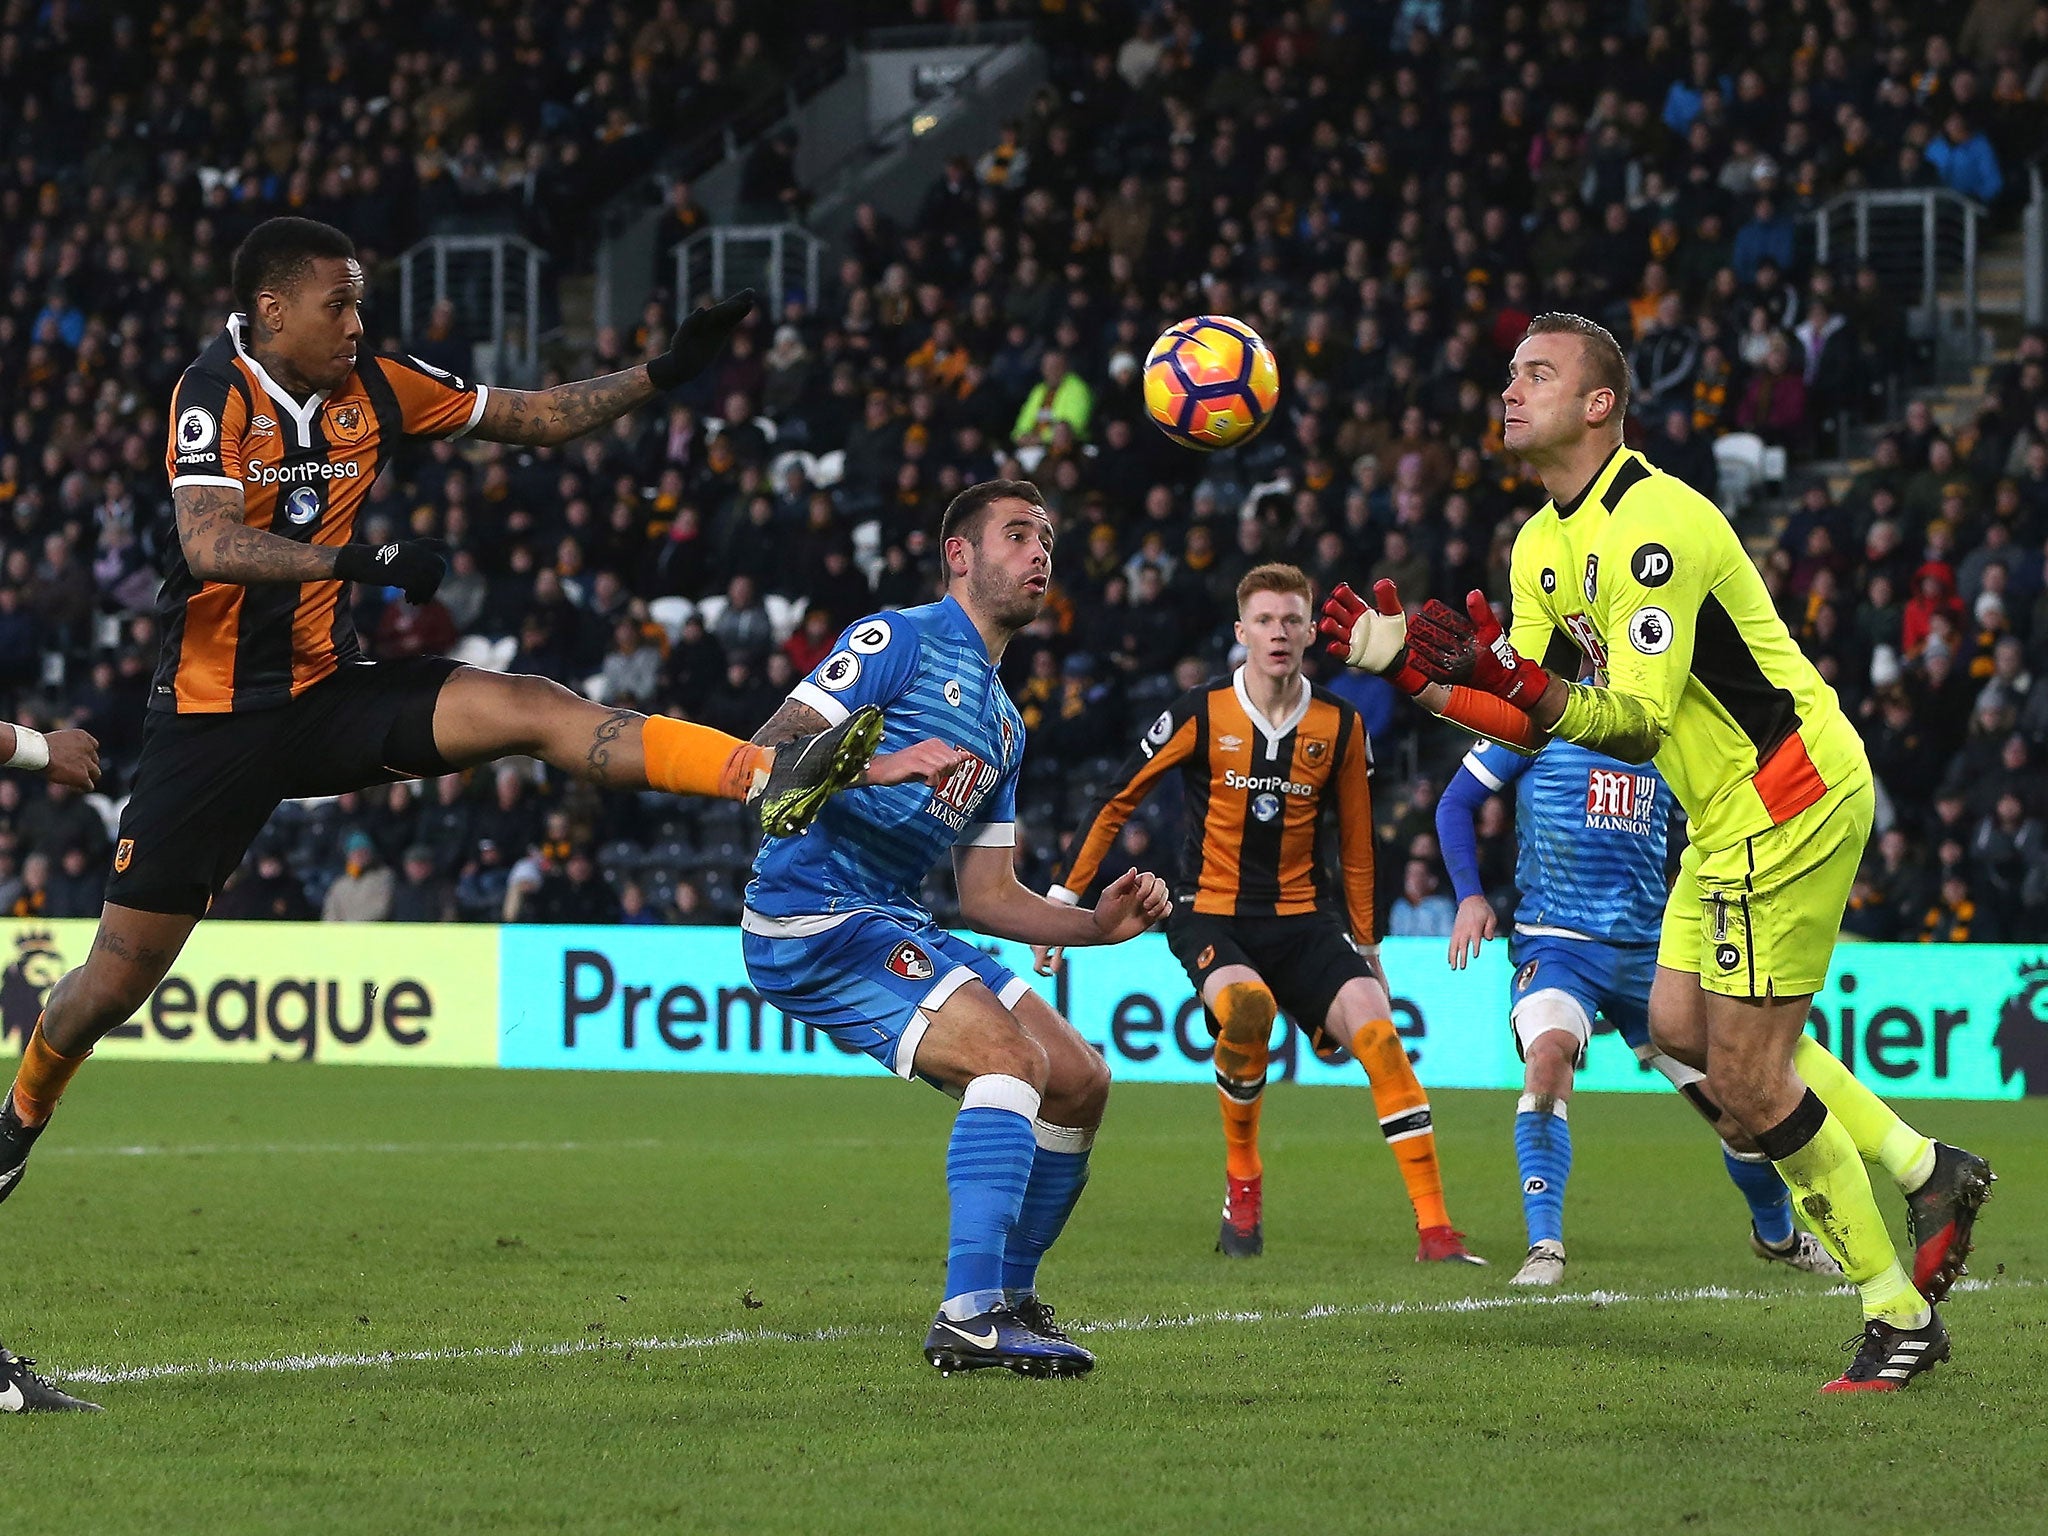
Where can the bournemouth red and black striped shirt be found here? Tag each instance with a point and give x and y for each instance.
(304, 468)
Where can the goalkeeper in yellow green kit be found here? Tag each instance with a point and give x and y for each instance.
(1633, 572)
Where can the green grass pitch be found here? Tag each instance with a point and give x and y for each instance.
(718, 1286)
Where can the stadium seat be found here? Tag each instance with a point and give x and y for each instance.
(671, 613)
(1739, 463)
(784, 613)
(780, 466)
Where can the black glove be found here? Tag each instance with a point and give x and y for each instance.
(698, 340)
(415, 566)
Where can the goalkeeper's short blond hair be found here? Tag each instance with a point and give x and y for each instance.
(1606, 364)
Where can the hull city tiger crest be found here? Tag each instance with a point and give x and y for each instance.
(124, 855)
(347, 423)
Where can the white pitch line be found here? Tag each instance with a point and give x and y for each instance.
(350, 1148)
(294, 1364)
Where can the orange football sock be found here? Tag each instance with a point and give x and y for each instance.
(686, 759)
(1243, 1016)
(1403, 1109)
(40, 1080)
(1241, 1133)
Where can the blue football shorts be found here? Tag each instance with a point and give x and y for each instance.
(1565, 983)
(872, 981)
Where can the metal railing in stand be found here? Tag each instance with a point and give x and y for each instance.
(778, 260)
(494, 282)
(1913, 239)
(2034, 229)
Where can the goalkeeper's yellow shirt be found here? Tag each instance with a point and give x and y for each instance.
(1644, 576)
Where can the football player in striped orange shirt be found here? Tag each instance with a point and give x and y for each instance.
(1276, 772)
(263, 694)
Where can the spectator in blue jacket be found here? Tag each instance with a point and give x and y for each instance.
(1769, 232)
(1966, 160)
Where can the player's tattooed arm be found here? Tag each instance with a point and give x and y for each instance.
(220, 546)
(546, 417)
(793, 722)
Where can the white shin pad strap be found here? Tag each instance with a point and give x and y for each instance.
(1063, 1138)
(1681, 1076)
(998, 1090)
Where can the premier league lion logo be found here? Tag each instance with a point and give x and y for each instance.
(26, 982)
(2022, 1038)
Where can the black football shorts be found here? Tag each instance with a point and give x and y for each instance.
(206, 784)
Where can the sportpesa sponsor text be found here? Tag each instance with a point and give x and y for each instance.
(259, 473)
(1271, 782)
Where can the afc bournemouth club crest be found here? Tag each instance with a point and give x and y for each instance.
(911, 963)
(124, 855)
(347, 423)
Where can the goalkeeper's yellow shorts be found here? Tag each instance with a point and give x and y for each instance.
(1760, 917)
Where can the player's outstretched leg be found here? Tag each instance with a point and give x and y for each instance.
(974, 1043)
(130, 954)
(479, 716)
(23, 1391)
(1242, 1010)
(1076, 1093)
(1359, 1020)
(1944, 1186)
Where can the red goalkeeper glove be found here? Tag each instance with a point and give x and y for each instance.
(1450, 648)
(1372, 636)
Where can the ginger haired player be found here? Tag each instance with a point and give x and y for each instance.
(1276, 773)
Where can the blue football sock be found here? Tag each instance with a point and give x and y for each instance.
(1770, 1206)
(1543, 1153)
(1057, 1174)
(988, 1164)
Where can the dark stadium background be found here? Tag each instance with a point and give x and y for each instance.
(1386, 190)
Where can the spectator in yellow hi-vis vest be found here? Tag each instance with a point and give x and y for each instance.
(1058, 396)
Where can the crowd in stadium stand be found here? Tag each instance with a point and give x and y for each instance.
(1388, 191)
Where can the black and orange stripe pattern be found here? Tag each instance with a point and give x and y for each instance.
(304, 469)
(1278, 823)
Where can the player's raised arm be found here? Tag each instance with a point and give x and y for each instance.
(546, 417)
(1376, 637)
